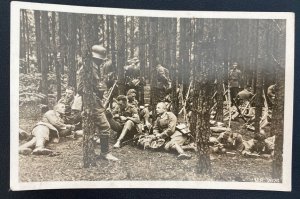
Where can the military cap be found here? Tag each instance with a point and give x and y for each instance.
(98, 52)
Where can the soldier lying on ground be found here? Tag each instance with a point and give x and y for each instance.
(164, 127)
(123, 119)
(227, 141)
(51, 126)
(259, 146)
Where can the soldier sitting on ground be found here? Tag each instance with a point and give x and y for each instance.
(124, 120)
(228, 141)
(131, 96)
(165, 127)
(144, 114)
(51, 126)
(67, 100)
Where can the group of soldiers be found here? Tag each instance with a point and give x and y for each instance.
(124, 118)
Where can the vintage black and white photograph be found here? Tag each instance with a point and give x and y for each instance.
(124, 98)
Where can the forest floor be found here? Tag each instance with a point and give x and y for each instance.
(138, 164)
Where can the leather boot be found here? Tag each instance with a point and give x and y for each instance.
(104, 145)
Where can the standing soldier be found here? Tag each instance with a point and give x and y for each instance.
(161, 83)
(132, 76)
(98, 113)
(234, 81)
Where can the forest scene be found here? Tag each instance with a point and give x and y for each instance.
(219, 82)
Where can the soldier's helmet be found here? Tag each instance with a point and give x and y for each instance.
(98, 52)
(235, 64)
(131, 91)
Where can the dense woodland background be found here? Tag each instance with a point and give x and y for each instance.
(54, 45)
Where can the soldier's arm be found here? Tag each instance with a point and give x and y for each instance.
(155, 127)
(135, 118)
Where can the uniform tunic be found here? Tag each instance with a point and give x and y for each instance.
(98, 110)
(51, 120)
(165, 125)
(130, 111)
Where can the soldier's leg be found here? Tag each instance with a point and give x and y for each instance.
(127, 127)
(26, 148)
(176, 143)
(42, 134)
(103, 128)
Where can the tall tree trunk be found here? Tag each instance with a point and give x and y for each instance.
(89, 158)
(63, 39)
(113, 41)
(202, 103)
(44, 55)
(219, 44)
(121, 59)
(173, 65)
(23, 40)
(259, 76)
(131, 36)
(107, 33)
(37, 20)
(27, 42)
(185, 55)
(277, 124)
(56, 64)
(47, 42)
(142, 54)
(72, 50)
(126, 38)
(153, 50)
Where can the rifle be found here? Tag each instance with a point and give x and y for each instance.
(185, 102)
(239, 111)
(110, 95)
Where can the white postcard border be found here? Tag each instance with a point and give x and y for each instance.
(14, 100)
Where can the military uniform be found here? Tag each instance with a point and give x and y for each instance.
(117, 124)
(233, 142)
(102, 127)
(161, 83)
(165, 125)
(99, 111)
(265, 146)
(51, 126)
(234, 79)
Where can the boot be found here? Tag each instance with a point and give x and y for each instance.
(105, 149)
(110, 157)
(25, 151)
